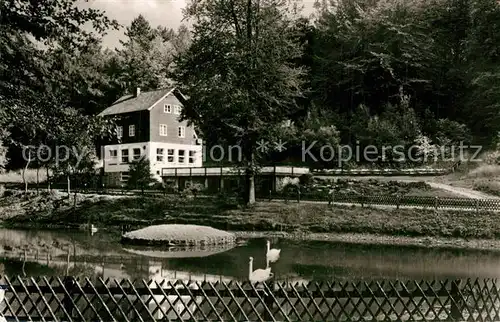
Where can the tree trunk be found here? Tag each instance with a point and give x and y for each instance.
(48, 179)
(251, 188)
(69, 185)
(74, 199)
(24, 173)
(250, 179)
(37, 177)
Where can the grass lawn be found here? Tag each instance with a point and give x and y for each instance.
(106, 211)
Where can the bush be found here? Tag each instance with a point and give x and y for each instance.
(492, 158)
(158, 186)
(488, 186)
(287, 183)
(306, 179)
(194, 188)
(485, 171)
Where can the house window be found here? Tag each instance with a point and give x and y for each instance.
(191, 156)
(131, 130)
(125, 156)
(177, 109)
(181, 131)
(159, 155)
(119, 131)
(113, 154)
(167, 108)
(124, 176)
(137, 154)
(181, 156)
(163, 129)
(170, 155)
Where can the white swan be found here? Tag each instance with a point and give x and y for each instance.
(259, 275)
(272, 254)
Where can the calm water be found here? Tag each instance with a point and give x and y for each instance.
(101, 254)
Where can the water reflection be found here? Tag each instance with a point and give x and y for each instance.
(179, 252)
(36, 253)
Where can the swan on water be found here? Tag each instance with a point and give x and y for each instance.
(259, 275)
(272, 254)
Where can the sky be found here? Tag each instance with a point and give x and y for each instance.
(167, 13)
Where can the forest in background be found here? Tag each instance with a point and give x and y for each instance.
(384, 72)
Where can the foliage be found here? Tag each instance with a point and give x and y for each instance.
(383, 73)
(140, 175)
(425, 149)
(452, 132)
(4, 160)
(306, 179)
(54, 20)
(147, 55)
(43, 89)
(238, 74)
(366, 51)
(488, 170)
(195, 187)
(287, 183)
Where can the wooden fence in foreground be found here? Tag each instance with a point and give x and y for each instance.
(70, 299)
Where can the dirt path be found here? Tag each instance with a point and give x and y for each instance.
(468, 193)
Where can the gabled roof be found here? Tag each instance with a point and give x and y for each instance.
(130, 103)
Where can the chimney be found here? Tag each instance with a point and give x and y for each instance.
(137, 91)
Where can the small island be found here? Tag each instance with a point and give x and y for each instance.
(178, 236)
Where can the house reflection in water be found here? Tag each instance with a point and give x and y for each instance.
(184, 305)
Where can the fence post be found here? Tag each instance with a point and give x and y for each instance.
(270, 195)
(456, 310)
(477, 205)
(398, 200)
(67, 301)
(362, 201)
(436, 202)
(298, 194)
(331, 197)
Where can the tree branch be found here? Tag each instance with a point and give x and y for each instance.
(235, 18)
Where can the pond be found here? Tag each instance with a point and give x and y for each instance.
(77, 253)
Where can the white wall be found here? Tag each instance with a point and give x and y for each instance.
(114, 165)
(149, 149)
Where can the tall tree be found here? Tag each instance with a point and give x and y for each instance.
(239, 74)
(148, 53)
(38, 83)
(140, 174)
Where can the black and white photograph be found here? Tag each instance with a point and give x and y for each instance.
(249, 160)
